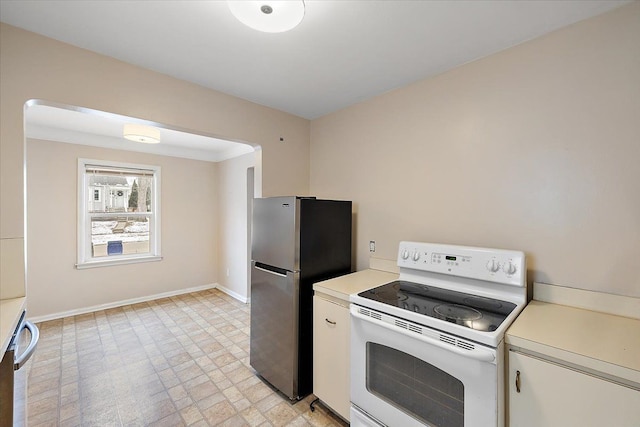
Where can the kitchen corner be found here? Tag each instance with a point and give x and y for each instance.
(574, 359)
(573, 356)
(10, 312)
(12, 287)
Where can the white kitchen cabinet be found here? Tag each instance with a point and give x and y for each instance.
(331, 354)
(331, 335)
(577, 366)
(551, 394)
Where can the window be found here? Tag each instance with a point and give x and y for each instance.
(118, 213)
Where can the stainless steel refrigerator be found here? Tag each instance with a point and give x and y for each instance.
(296, 241)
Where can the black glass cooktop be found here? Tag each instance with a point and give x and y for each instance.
(472, 311)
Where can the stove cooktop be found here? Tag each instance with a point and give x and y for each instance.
(471, 311)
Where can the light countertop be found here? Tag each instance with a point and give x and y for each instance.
(601, 342)
(343, 286)
(10, 311)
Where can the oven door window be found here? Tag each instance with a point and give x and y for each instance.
(414, 386)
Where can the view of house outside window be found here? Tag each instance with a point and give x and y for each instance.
(118, 218)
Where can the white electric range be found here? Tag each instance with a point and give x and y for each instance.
(427, 349)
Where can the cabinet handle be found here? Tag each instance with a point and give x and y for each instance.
(518, 381)
(329, 321)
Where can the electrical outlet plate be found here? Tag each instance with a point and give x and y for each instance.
(372, 245)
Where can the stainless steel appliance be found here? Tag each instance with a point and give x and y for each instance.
(296, 241)
(12, 381)
(428, 349)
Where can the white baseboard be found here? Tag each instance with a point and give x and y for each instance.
(233, 294)
(121, 303)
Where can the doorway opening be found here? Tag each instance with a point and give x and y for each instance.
(56, 135)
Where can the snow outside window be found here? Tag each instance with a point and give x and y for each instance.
(118, 213)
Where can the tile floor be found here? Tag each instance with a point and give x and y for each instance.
(179, 361)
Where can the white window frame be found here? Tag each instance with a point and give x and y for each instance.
(85, 256)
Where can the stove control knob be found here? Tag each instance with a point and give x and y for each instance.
(416, 255)
(509, 268)
(405, 254)
(493, 266)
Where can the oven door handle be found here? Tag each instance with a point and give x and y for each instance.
(35, 337)
(475, 353)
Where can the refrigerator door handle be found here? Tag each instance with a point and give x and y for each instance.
(275, 271)
(35, 336)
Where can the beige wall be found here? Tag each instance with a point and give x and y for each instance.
(36, 67)
(233, 253)
(535, 148)
(188, 231)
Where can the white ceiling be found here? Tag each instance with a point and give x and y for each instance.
(343, 52)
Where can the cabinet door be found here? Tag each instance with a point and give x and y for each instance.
(553, 395)
(331, 355)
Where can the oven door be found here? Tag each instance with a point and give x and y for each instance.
(404, 374)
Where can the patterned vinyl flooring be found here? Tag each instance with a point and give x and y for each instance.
(178, 361)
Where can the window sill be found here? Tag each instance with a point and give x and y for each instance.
(118, 261)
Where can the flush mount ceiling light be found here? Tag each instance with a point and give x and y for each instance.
(141, 133)
(268, 16)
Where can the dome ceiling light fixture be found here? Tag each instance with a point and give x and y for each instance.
(141, 133)
(268, 16)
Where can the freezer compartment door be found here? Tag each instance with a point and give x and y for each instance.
(276, 232)
(274, 326)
